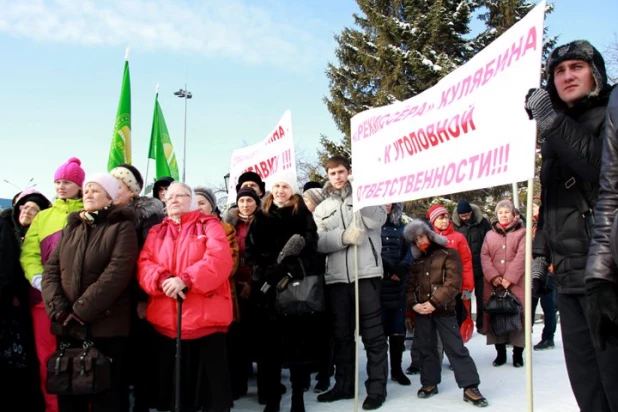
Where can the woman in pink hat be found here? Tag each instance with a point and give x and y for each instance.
(38, 245)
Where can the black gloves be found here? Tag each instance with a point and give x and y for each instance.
(602, 302)
(539, 107)
(539, 276)
(274, 274)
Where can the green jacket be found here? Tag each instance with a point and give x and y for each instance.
(43, 234)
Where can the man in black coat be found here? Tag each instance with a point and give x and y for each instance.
(601, 269)
(468, 220)
(570, 116)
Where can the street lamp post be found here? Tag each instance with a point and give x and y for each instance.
(184, 94)
(226, 179)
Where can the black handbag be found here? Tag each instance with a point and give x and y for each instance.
(502, 302)
(78, 371)
(301, 296)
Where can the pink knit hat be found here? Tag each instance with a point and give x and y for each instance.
(71, 171)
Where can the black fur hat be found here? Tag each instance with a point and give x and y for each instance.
(251, 177)
(576, 50)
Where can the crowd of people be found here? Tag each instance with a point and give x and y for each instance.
(271, 280)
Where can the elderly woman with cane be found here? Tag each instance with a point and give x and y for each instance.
(187, 257)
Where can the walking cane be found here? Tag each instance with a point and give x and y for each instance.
(178, 355)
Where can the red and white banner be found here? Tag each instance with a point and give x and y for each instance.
(468, 132)
(274, 156)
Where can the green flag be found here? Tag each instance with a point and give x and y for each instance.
(120, 152)
(161, 149)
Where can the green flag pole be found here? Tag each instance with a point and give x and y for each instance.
(120, 151)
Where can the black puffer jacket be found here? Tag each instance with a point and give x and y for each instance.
(474, 230)
(603, 254)
(570, 181)
(396, 260)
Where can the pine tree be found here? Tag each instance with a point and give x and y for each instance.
(398, 49)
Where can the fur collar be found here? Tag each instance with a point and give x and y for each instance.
(344, 192)
(231, 216)
(515, 224)
(115, 215)
(418, 227)
(145, 207)
(477, 215)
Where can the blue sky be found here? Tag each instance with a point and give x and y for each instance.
(245, 62)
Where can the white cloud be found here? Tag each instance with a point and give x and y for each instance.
(221, 29)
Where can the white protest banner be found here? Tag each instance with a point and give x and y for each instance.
(469, 131)
(271, 157)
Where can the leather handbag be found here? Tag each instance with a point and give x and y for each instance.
(78, 371)
(300, 296)
(502, 302)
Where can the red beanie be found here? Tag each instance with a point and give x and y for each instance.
(436, 211)
(71, 171)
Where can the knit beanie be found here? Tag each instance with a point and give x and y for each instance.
(315, 195)
(106, 181)
(71, 171)
(463, 206)
(248, 191)
(506, 203)
(251, 177)
(286, 177)
(577, 50)
(130, 176)
(436, 211)
(208, 194)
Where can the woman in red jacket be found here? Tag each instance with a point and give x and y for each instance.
(188, 256)
(439, 218)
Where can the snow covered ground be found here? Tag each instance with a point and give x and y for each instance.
(504, 387)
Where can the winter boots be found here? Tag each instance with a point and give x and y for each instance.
(473, 395)
(501, 358)
(396, 347)
(298, 403)
(518, 356)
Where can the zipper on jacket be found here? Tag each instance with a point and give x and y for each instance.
(373, 250)
(347, 249)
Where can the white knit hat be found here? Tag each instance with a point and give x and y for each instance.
(286, 177)
(106, 181)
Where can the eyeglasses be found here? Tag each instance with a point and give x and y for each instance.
(29, 209)
(177, 196)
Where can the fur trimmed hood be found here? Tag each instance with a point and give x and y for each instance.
(418, 227)
(477, 214)
(396, 214)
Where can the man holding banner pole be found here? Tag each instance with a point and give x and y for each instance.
(570, 116)
(340, 230)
